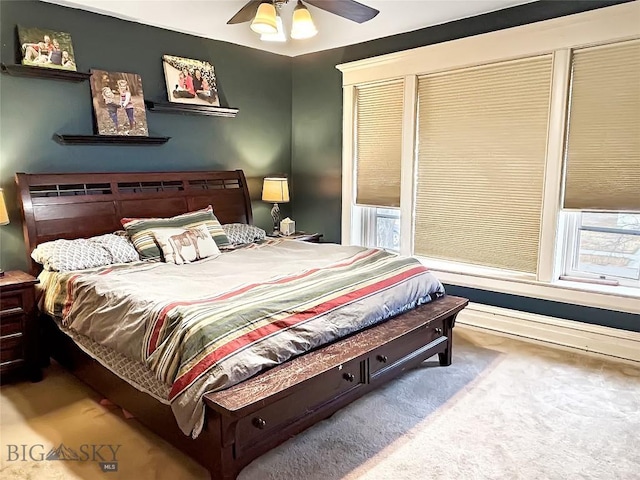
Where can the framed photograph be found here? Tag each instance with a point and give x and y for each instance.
(190, 81)
(118, 103)
(46, 48)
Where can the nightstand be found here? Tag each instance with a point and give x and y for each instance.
(304, 237)
(18, 332)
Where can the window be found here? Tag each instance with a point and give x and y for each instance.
(603, 247)
(379, 228)
(512, 147)
(602, 161)
(387, 223)
(378, 150)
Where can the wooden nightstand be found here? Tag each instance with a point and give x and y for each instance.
(304, 237)
(18, 332)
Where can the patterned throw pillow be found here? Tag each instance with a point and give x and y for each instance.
(83, 253)
(120, 248)
(139, 230)
(65, 255)
(185, 245)
(241, 233)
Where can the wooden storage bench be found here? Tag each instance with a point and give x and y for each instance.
(267, 409)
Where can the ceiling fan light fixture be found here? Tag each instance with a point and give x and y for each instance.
(302, 26)
(265, 19)
(279, 36)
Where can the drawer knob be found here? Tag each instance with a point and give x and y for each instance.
(438, 330)
(382, 358)
(349, 377)
(259, 423)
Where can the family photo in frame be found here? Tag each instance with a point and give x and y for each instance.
(118, 103)
(40, 47)
(190, 81)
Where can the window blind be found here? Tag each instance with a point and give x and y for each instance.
(602, 169)
(481, 154)
(379, 144)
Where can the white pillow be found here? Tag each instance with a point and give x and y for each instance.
(185, 245)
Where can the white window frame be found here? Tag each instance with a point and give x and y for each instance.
(558, 36)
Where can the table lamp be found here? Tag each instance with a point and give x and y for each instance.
(275, 190)
(4, 217)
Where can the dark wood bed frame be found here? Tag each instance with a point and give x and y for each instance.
(246, 420)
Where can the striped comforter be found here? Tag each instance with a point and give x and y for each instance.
(211, 324)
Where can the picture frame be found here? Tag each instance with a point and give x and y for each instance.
(118, 103)
(41, 47)
(190, 81)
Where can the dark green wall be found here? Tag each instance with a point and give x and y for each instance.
(258, 140)
(317, 137)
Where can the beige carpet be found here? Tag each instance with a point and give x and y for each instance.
(504, 410)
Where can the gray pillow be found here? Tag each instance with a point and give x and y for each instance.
(241, 233)
(83, 253)
(65, 255)
(119, 247)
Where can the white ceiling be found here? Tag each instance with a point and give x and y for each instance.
(207, 18)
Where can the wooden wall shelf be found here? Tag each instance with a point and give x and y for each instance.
(185, 109)
(65, 139)
(43, 72)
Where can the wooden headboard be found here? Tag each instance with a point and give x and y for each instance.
(78, 205)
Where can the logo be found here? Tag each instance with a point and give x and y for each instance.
(105, 455)
(62, 453)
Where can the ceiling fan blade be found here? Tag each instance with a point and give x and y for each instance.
(349, 9)
(246, 13)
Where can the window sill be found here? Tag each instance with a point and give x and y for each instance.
(617, 298)
(622, 291)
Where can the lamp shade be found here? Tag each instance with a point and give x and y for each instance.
(279, 36)
(265, 19)
(4, 216)
(275, 190)
(302, 25)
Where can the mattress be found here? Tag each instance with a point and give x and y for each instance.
(136, 374)
(211, 324)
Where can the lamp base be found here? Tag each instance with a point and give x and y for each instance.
(275, 215)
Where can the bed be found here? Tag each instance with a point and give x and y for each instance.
(245, 420)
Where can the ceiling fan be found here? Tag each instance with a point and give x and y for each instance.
(265, 19)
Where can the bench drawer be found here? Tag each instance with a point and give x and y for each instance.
(387, 355)
(314, 393)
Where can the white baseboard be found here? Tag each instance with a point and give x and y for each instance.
(570, 334)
